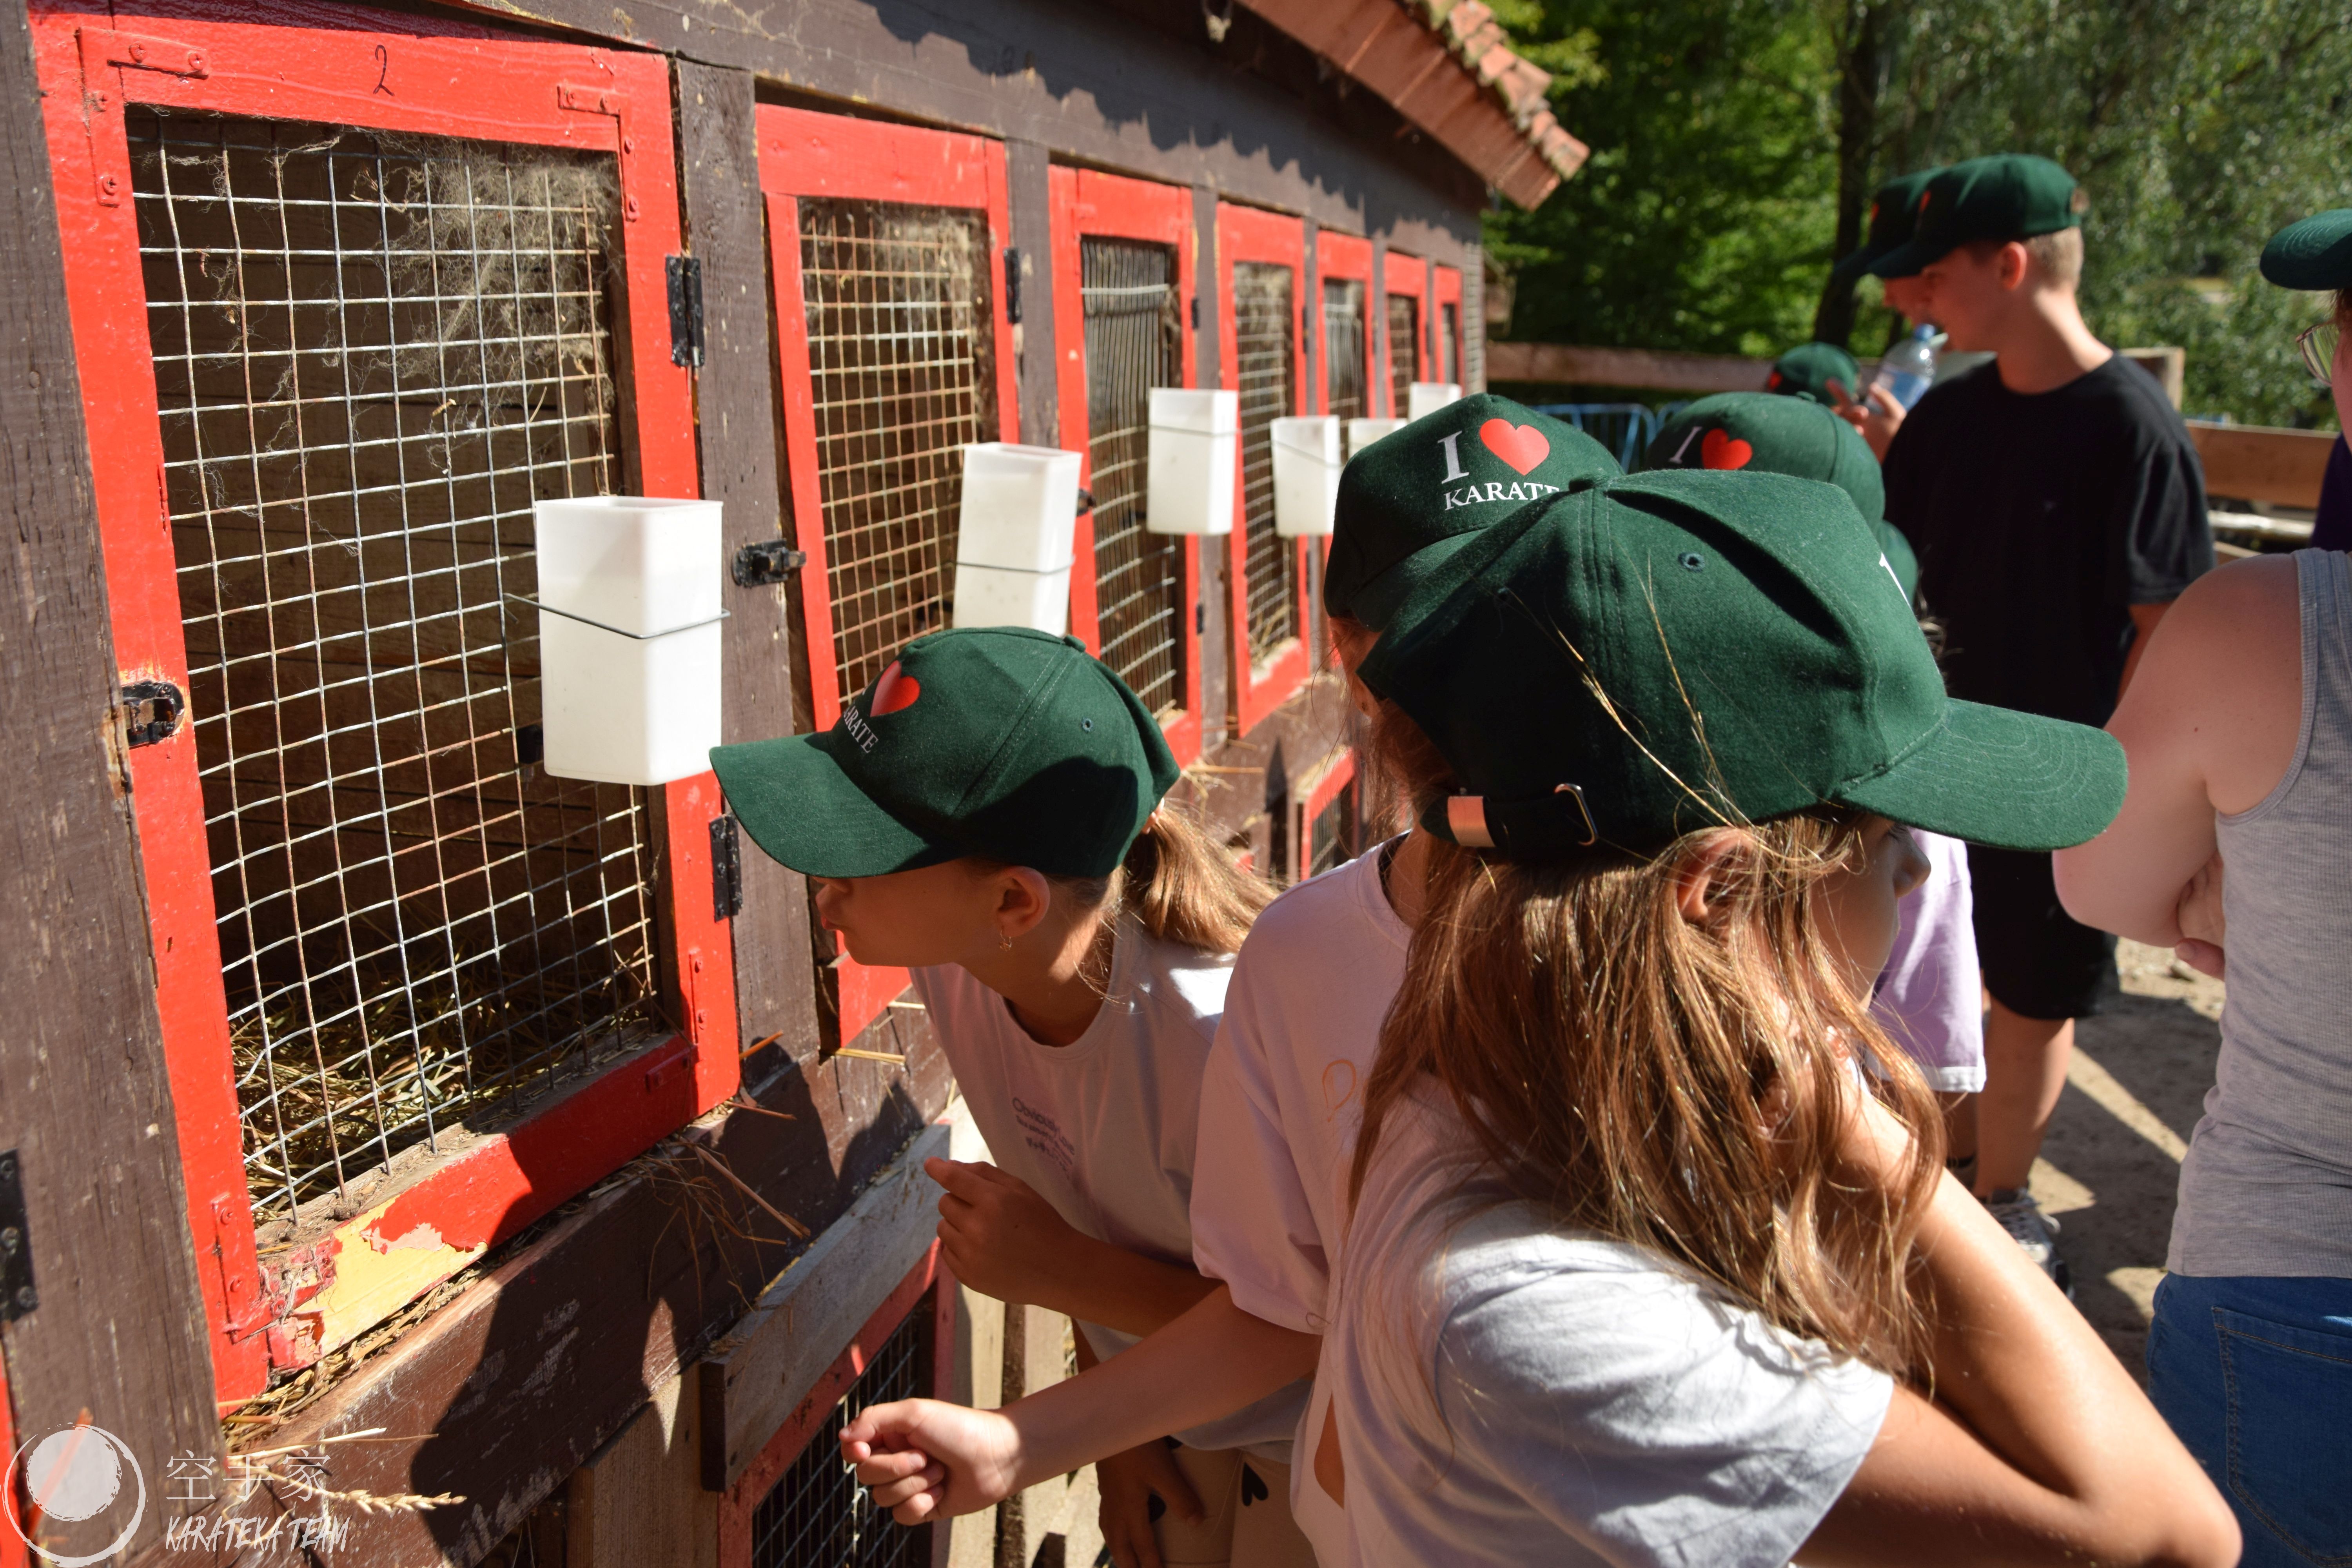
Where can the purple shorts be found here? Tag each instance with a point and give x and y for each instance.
(1930, 999)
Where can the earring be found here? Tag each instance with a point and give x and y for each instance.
(1005, 942)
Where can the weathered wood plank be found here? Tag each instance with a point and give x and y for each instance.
(1573, 364)
(753, 1379)
(640, 1500)
(1128, 85)
(1031, 201)
(2256, 462)
(120, 1330)
(736, 420)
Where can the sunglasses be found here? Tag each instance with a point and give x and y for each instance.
(2318, 345)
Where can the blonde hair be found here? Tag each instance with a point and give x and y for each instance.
(1680, 1086)
(1180, 886)
(2055, 259)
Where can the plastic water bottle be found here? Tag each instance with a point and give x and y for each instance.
(1909, 367)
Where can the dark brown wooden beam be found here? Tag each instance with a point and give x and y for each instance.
(119, 1331)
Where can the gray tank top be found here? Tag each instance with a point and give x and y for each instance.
(2267, 1186)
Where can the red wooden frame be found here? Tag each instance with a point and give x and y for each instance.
(1319, 796)
(806, 154)
(740, 1503)
(1408, 276)
(1250, 234)
(597, 99)
(1447, 290)
(1344, 257)
(1087, 202)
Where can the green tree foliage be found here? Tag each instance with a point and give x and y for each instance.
(1721, 130)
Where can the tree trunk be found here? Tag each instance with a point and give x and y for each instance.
(1865, 56)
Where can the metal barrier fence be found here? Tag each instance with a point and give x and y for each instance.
(1625, 428)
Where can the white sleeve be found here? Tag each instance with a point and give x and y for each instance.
(1650, 1423)
(1253, 1227)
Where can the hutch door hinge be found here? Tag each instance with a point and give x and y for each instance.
(726, 869)
(1012, 285)
(103, 53)
(151, 712)
(17, 1296)
(686, 310)
(604, 101)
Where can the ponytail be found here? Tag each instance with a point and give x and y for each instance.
(1186, 890)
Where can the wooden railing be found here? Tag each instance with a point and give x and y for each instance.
(2256, 462)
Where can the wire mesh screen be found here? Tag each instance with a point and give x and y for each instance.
(816, 1515)
(1449, 343)
(902, 354)
(1404, 350)
(1264, 367)
(1343, 347)
(1134, 342)
(1336, 836)
(372, 353)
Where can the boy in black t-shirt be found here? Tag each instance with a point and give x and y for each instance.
(2057, 507)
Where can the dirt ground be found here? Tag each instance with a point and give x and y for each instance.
(2112, 1160)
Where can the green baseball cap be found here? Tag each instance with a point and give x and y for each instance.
(1807, 370)
(2312, 253)
(1755, 432)
(1631, 661)
(1436, 481)
(1893, 207)
(992, 740)
(2012, 196)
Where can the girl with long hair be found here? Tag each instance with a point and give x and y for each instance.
(1650, 1257)
(991, 816)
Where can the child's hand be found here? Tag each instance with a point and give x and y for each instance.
(1000, 1238)
(924, 1460)
(1877, 418)
(1128, 1483)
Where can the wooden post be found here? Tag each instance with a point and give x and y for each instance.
(118, 1334)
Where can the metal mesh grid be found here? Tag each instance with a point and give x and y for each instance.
(1404, 350)
(816, 1515)
(1449, 342)
(902, 353)
(1343, 347)
(372, 353)
(1336, 836)
(1263, 366)
(1134, 342)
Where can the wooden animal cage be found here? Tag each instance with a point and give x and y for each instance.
(1262, 258)
(346, 306)
(1447, 329)
(1124, 287)
(1348, 350)
(1404, 283)
(896, 353)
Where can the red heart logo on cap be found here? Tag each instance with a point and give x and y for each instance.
(895, 690)
(1521, 446)
(1720, 451)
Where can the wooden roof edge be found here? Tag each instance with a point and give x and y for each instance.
(1539, 153)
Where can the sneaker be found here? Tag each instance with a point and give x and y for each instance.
(2022, 1217)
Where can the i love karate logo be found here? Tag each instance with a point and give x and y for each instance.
(1718, 449)
(896, 690)
(1522, 447)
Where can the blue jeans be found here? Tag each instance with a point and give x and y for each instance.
(2256, 1377)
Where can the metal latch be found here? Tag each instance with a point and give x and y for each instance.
(726, 869)
(1012, 285)
(686, 342)
(151, 711)
(760, 566)
(17, 1296)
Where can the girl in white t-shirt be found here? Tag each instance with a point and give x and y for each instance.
(989, 815)
(1642, 1269)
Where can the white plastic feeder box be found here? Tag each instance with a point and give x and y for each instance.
(629, 637)
(1194, 445)
(1362, 433)
(1014, 536)
(1306, 474)
(1428, 396)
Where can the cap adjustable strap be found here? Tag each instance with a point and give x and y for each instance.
(1475, 822)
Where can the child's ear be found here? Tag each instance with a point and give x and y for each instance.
(1022, 899)
(1699, 876)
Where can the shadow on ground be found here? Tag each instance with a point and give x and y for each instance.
(2111, 1165)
